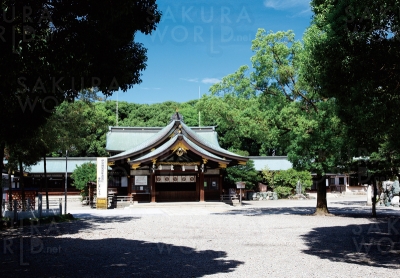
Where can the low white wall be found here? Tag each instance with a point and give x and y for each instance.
(32, 213)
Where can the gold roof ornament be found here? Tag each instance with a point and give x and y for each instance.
(180, 149)
(135, 166)
(179, 152)
(222, 165)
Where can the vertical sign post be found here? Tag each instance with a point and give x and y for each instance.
(240, 185)
(102, 183)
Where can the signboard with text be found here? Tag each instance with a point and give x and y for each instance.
(102, 180)
(140, 180)
(240, 185)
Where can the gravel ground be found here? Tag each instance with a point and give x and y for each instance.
(259, 239)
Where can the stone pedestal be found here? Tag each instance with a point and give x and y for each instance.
(395, 201)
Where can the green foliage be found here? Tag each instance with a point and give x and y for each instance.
(156, 115)
(285, 181)
(283, 191)
(354, 52)
(87, 172)
(276, 106)
(254, 108)
(275, 109)
(74, 46)
(239, 120)
(81, 126)
(246, 173)
(268, 175)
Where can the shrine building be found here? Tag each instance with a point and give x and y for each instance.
(170, 164)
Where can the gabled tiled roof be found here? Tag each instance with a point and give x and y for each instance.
(120, 139)
(161, 149)
(169, 144)
(196, 142)
(209, 145)
(162, 134)
(202, 151)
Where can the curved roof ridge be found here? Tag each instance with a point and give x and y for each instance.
(201, 150)
(208, 144)
(159, 150)
(156, 137)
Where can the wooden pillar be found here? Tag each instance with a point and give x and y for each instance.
(198, 187)
(220, 181)
(130, 183)
(201, 187)
(153, 188)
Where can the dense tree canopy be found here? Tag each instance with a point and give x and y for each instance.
(51, 50)
(242, 173)
(81, 127)
(82, 175)
(355, 58)
(272, 109)
(356, 50)
(284, 182)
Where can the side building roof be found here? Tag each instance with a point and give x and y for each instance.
(274, 163)
(56, 165)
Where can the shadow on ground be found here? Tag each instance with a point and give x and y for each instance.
(350, 203)
(58, 251)
(376, 244)
(335, 211)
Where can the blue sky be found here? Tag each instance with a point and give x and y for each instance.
(199, 42)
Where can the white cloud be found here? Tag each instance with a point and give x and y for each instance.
(210, 80)
(204, 80)
(286, 4)
(190, 79)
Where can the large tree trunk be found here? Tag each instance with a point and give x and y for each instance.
(2, 146)
(10, 189)
(45, 182)
(373, 196)
(1, 197)
(22, 184)
(322, 206)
